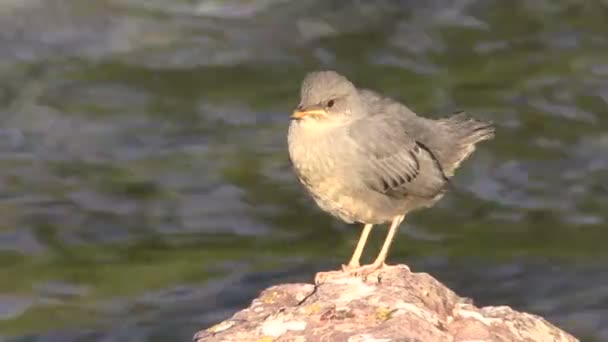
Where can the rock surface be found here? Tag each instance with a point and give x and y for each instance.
(390, 305)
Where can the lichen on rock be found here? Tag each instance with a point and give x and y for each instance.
(390, 305)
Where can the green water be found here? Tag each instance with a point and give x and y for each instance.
(145, 191)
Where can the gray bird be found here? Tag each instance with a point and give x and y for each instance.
(367, 158)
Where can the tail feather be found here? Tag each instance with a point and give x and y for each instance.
(466, 132)
(470, 130)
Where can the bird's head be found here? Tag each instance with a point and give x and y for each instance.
(327, 95)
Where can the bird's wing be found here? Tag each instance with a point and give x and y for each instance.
(391, 162)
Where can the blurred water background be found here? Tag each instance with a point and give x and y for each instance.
(145, 191)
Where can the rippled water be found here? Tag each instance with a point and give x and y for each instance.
(145, 191)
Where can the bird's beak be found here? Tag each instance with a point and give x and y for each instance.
(310, 111)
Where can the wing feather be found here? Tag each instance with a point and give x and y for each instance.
(392, 162)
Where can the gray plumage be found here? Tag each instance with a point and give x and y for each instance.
(371, 158)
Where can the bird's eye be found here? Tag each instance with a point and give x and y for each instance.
(330, 103)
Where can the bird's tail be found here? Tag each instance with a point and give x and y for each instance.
(468, 129)
(465, 132)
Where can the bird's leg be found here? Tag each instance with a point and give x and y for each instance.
(354, 260)
(353, 265)
(363, 271)
(379, 262)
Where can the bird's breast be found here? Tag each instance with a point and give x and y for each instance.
(323, 164)
(310, 152)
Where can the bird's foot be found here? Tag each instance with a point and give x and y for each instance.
(350, 266)
(352, 271)
(349, 270)
(324, 277)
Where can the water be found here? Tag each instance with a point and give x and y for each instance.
(145, 191)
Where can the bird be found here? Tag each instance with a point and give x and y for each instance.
(367, 158)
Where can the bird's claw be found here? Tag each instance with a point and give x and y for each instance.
(323, 277)
(350, 272)
(346, 268)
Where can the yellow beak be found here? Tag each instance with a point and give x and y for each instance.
(298, 114)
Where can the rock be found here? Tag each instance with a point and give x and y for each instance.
(390, 305)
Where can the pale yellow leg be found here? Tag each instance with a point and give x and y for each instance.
(354, 260)
(367, 269)
(379, 262)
